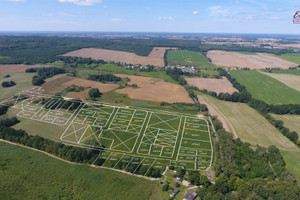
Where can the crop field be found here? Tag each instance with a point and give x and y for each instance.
(6, 69)
(156, 56)
(241, 120)
(27, 174)
(292, 57)
(214, 85)
(292, 81)
(290, 121)
(188, 58)
(265, 88)
(124, 136)
(154, 89)
(257, 61)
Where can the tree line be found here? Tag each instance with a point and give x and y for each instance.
(104, 78)
(43, 73)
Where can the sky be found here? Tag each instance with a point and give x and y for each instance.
(194, 16)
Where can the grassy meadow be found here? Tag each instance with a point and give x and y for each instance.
(291, 80)
(251, 127)
(287, 71)
(265, 88)
(188, 58)
(27, 174)
(23, 82)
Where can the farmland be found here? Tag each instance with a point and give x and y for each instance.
(6, 69)
(257, 61)
(154, 58)
(292, 81)
(290, 121)
(288, 71)
(26, 174)
(292, 57)
(23, 81)
(251, 127)
(127, 138)
(153, 89)
(265, 88)
(188, 58)
(214, 85)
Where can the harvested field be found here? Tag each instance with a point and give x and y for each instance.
(103, 87)
(155, 89)
(256, 61)
(57, 85)
(214, 85)
(156, 56)
(292, 81)
(5, 69)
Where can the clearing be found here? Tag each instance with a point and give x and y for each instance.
(257, 61)
(154, 89)
(214, 85)
(265, 88)
(188, 58)
(251, 127)
(6, 69)
(292, 81)
(48, 178)
(156, 56)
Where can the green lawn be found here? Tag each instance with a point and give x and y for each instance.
(23, 82)
(293, 57)
(27, 174)
(188, 58)
(251, 127)
(265, 88)
(290, 121)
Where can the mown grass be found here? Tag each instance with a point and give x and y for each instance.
(291, 80)
(188, 58)
(293, 57)
(26, 174)
(251, 127)
(265, 88)
(290, 121)
(23, 82)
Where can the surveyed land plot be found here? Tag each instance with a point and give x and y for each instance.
(127, 138)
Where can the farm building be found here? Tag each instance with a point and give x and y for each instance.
(191, 196)
(175, 192)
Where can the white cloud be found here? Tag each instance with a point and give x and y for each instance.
(81, 2)
(166, 18)
(17, 0)
(195, 12)
(249, 18)
(218, 11)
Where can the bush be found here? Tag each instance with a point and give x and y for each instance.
(7, 76)
(94, 93)
(38, 80)
(8, 83)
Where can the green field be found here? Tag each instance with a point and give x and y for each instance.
(251, 127)
(26, 174)
(188, 58)
(293, 57)
(23, 82)
(288, 71)
(290, 121)
(265, 88)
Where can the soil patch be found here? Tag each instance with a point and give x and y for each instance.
(6, 69)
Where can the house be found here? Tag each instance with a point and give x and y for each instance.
(175, 192)
(191, 196)
(178, 179)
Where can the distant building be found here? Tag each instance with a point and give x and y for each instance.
(178, 179)
(175, 192)
(191, 196)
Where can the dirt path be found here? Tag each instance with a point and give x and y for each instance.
(73, 163)
(215, 111)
